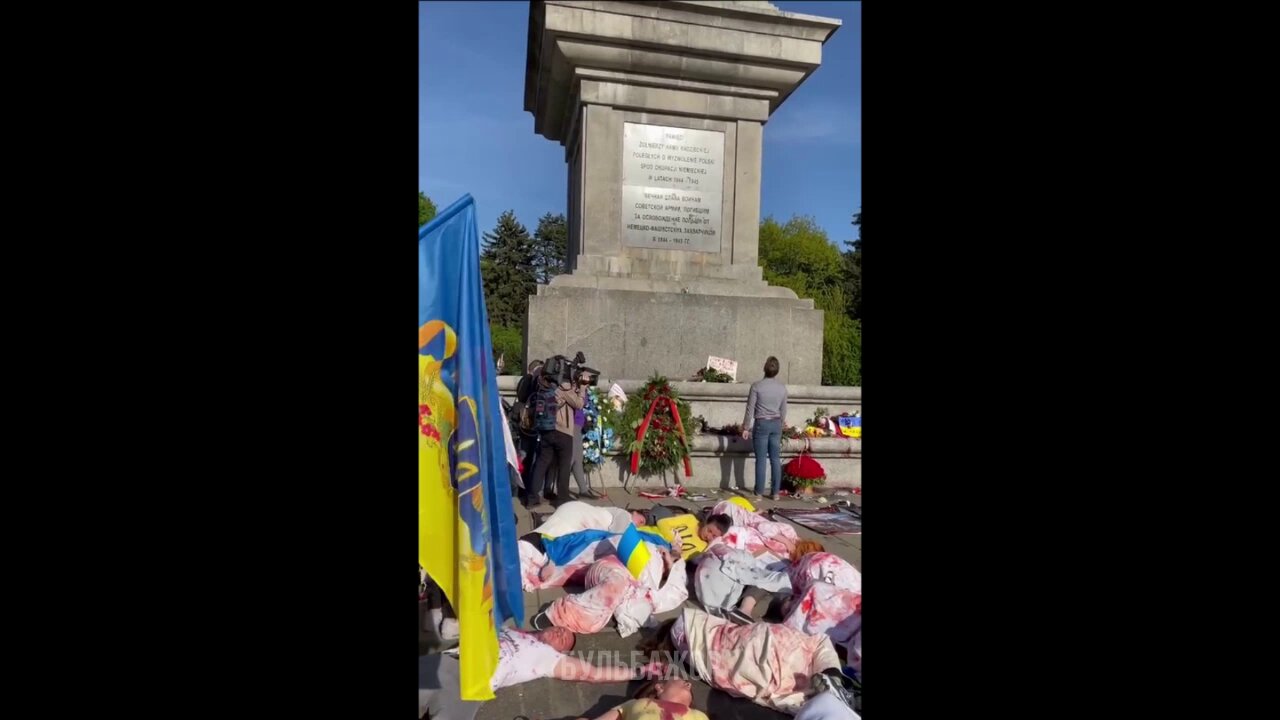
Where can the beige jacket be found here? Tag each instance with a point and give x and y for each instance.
(568, 399)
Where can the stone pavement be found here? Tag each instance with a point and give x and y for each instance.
(550, 699)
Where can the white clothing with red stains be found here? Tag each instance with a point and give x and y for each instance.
(766, 663)
(749, 540)
(611, 592)
(538, 572)
(826, 597)
(779, 537)
(521, 657)
(724, 571)
(576, 516)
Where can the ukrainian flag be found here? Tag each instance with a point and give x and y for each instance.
(632, 551)
(466, 528)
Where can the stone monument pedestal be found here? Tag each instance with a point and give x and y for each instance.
(661, 109)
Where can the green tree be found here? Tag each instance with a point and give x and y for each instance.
(426, 209)
(798, 255)
(506, 268)
(508, 342)
(550, 247)
(853, 271)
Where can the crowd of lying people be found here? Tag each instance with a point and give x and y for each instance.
(741, 560)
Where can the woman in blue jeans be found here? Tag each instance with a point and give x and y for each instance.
(765, 418)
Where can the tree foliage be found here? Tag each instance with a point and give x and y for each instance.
(506, 267)
(509, 343)
(853, 271)
(426, 209)
(798, 255)
(550, 247)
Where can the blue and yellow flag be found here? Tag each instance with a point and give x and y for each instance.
(466, 527)
(632, 551)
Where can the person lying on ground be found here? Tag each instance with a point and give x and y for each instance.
(574, 553)
(576, 516)
(826, 594)
(752, 542)
(780, 537)
(537, 571)
(714, 526)
(611, 592)
(522, 656)
(770, 665)
(667, 699)
(730, 581)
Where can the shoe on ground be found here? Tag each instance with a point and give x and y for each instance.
(834, 684)
(540, 621)
(774, 497)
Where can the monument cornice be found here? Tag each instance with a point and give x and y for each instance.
(665, 51)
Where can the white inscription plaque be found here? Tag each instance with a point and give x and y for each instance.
(672, 185)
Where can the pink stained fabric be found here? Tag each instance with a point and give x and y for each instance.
(744, 538)
(538, 572)
(607, 583)
(826, 597)
(779, 537)
(766, 663)
(824, 567)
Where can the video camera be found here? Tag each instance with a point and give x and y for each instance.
(560, 369)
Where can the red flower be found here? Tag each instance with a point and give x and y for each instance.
(805, 467)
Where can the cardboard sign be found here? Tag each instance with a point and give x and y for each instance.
(728, 367)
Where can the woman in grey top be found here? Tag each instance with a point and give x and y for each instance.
(766, 416)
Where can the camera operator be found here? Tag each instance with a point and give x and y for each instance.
(525, 390)
(555, 455)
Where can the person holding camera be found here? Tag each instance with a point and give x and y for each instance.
(525, 391)
(554, 406)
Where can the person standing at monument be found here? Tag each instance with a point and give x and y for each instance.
(763, 423)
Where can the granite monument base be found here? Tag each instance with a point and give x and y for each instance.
(633, 333)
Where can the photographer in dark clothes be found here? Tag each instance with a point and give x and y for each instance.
(553, 407)
(529, 444)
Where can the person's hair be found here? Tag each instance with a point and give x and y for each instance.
(721, 521)
(804, 547)
(771, 367)
(648, 690)
(534, 365)
(660, 641)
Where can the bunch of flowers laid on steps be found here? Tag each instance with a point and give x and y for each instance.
(804, 473)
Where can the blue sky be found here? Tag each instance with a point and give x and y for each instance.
(474, 135)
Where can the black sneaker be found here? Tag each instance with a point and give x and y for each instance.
(540, 621)
(738, 617)
(834, 684)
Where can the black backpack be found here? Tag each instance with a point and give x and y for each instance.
(544, 409)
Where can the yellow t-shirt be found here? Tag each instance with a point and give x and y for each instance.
(648, 709)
